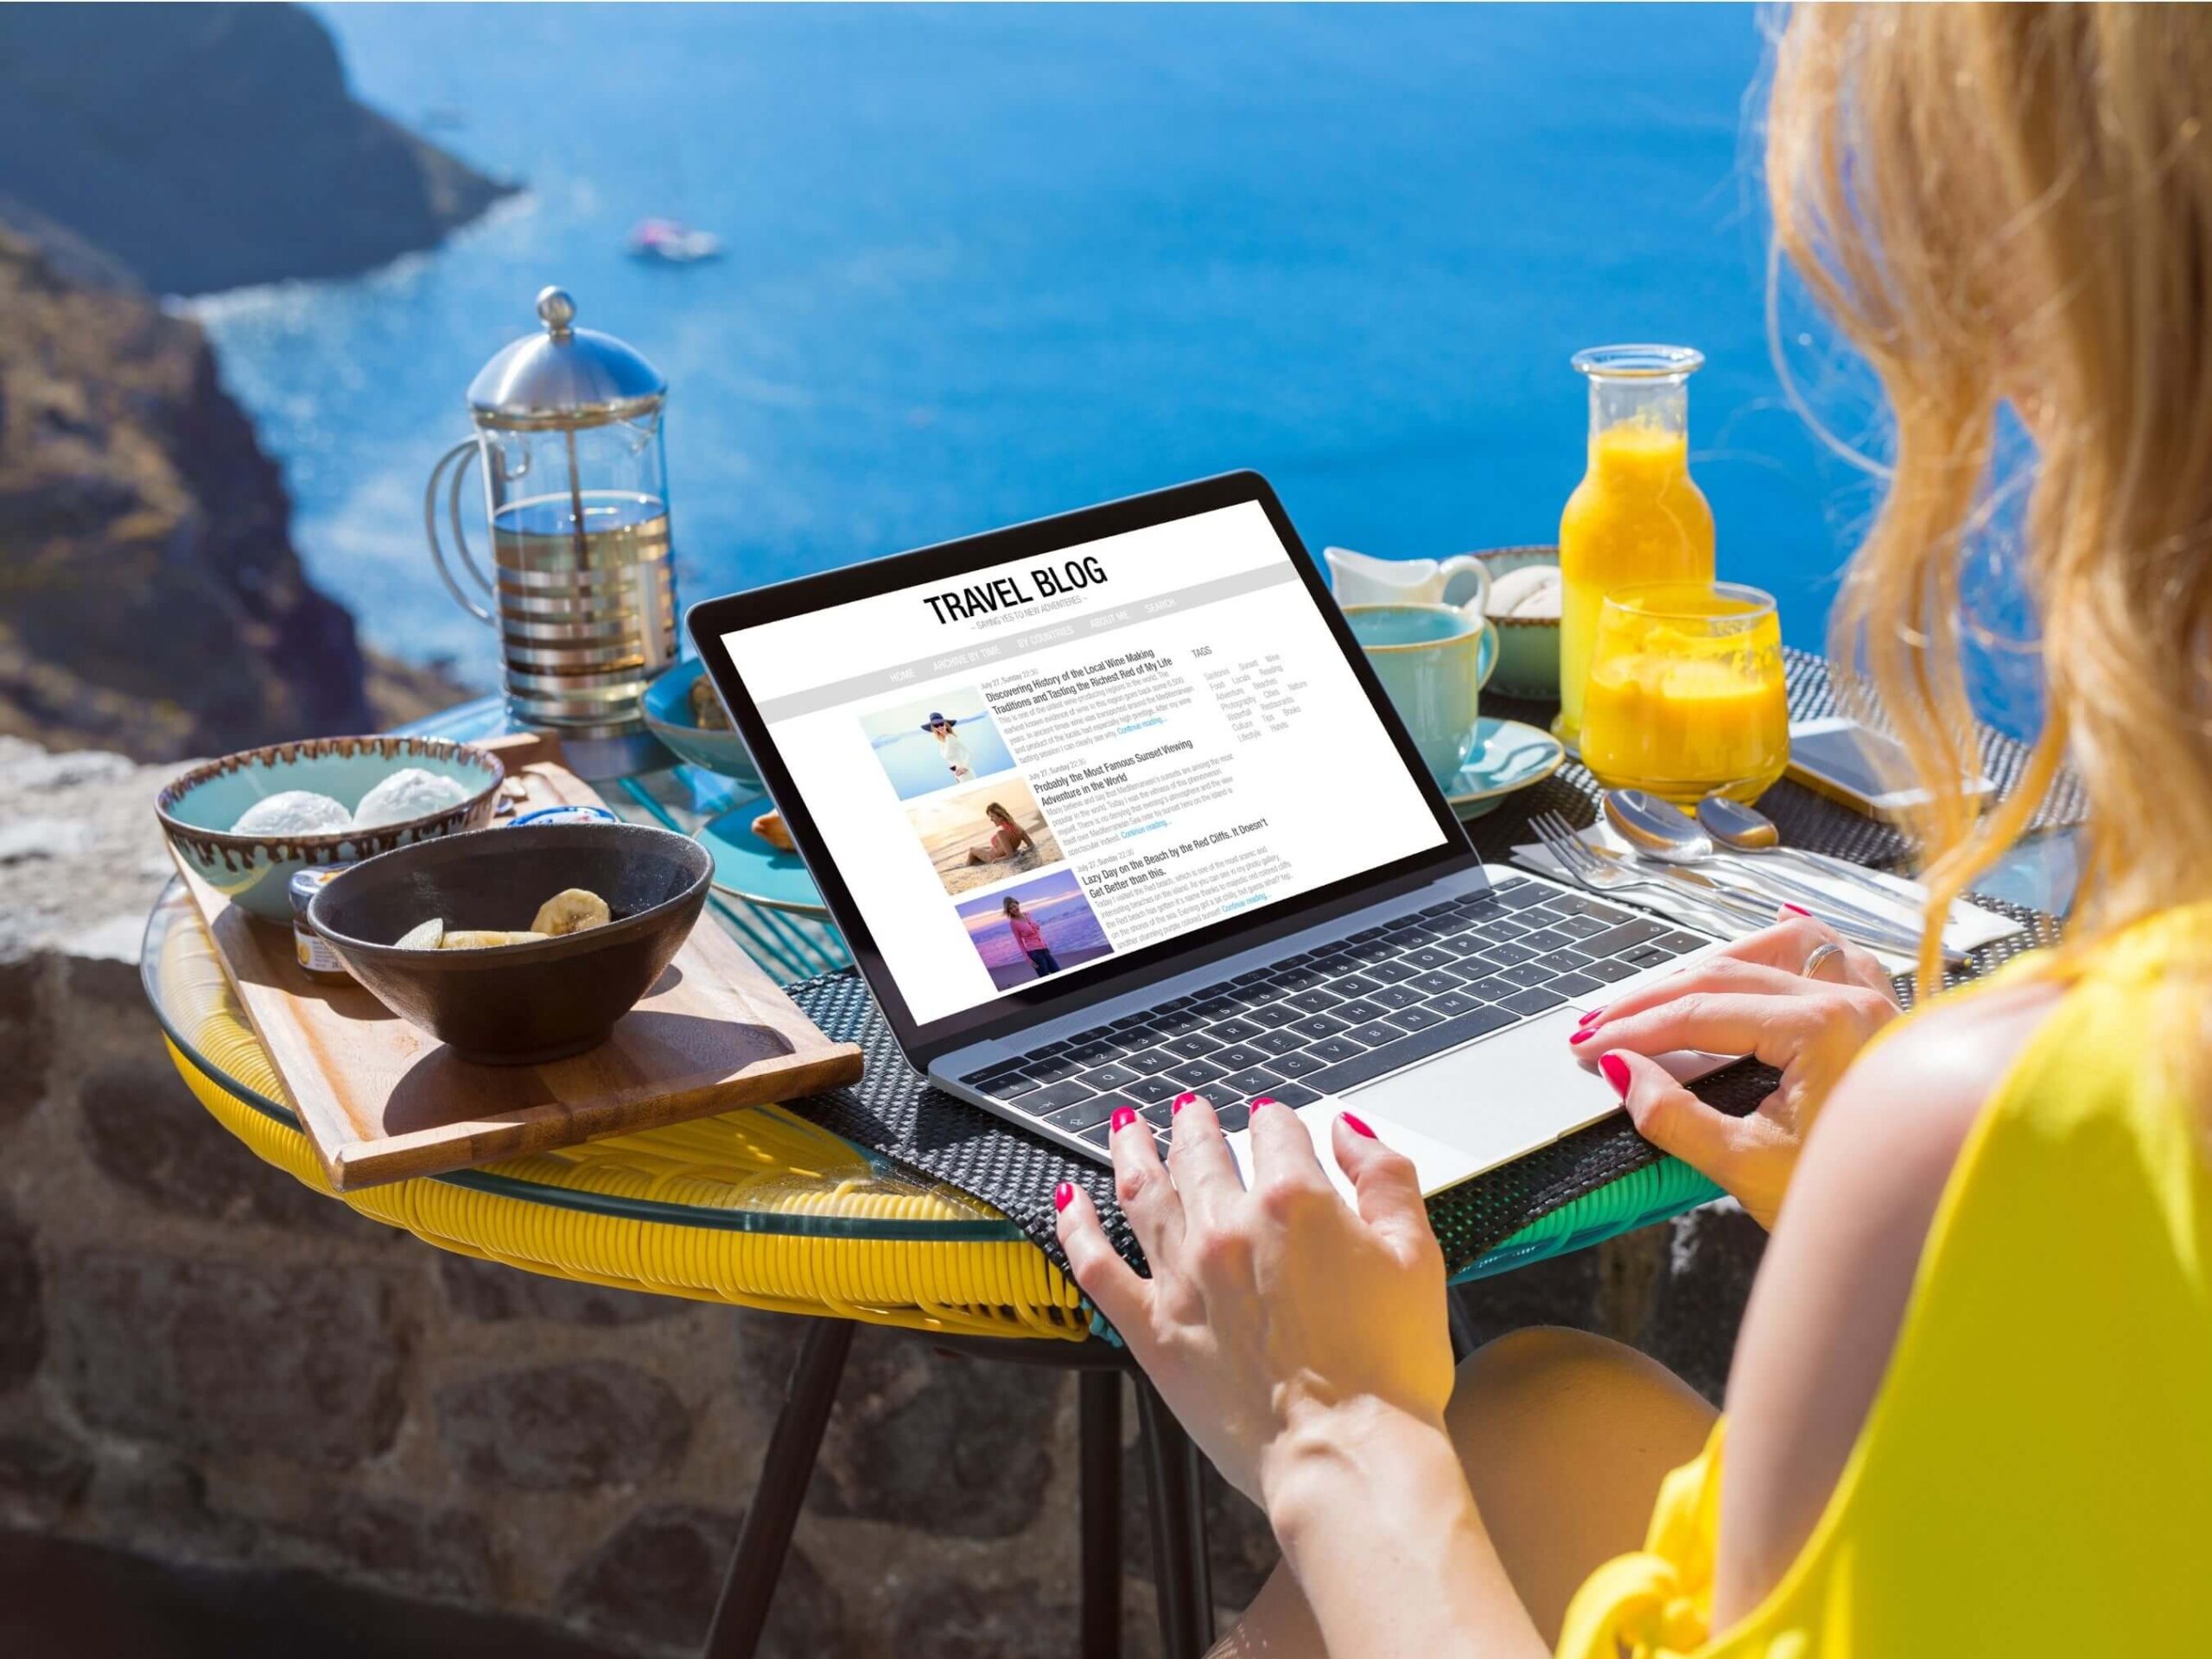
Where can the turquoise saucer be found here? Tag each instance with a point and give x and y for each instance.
(667, 708)
(747, 867)
(1506, 756)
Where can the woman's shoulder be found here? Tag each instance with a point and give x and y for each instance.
(1886, 1143)
(1831, 1294)
(1884, 1148)
(1928, 1078)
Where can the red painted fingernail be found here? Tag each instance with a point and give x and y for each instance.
(1588, 1017)
(1795, 910)
(1356, 1126)
(1264, 1099)
(1616, 1071)
(1123, 1116)
(1063, 1196)
(1179, 1103)
(1582, 1036)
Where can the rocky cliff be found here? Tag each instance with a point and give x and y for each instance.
(150, 601)
(203, 147)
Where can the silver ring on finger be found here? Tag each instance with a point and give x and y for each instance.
(1822, 954)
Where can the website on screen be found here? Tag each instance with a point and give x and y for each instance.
(1066, 759)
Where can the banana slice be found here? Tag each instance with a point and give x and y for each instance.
(706, 711)
(481, 938)
(423, 936)
(572, 913)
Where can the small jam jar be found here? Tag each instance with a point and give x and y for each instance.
(315, 956)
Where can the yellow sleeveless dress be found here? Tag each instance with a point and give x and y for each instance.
(2035, 1475)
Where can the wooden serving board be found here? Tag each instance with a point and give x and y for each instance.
(383, 1101)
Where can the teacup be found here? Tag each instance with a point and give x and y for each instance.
(1433, 660)
(1461, 581)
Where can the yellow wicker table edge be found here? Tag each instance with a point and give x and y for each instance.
(756, 1207)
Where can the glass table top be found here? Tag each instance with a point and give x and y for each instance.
(780, 1174)
(759, 1170)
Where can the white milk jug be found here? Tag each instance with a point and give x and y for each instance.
(1360, 579)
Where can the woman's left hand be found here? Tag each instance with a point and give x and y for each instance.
(1749, 997)
(1277, 1320)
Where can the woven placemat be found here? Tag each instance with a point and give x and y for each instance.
(1803, 818)
(894, 1111)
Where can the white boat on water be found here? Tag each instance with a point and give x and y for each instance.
(672, 241)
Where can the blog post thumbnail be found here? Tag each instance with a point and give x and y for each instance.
(983, 835)
(1040, 927)
(933, 742)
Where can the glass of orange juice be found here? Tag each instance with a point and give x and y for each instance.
(1637, 516)
(1685, 697)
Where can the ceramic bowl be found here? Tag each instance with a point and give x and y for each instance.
(667, 708)
(517, 1004)
(1528, 665)
(198, 809)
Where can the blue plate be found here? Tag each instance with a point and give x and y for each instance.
(747, 867)
(667, 708)
(1506, 756)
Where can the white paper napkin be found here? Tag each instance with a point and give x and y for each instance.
(1969, 925)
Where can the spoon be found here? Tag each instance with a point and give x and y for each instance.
(1746, 830)
(1662, 831)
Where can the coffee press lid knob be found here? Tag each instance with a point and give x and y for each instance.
(557, 309)
(564, 377)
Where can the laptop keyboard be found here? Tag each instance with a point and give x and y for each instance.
(1318, 1022)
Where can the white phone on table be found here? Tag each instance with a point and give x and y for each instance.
(1837, 756)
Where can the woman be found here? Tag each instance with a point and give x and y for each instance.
(951, 748)
(1971, 1406)
(1008, 838)
(1030, 938)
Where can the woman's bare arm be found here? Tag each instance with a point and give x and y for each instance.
(1378, 1526)
(1302, 1342)
(1831, 1294)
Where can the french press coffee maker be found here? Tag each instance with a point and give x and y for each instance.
(581, 589)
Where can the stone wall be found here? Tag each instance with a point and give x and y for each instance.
(205, 1363)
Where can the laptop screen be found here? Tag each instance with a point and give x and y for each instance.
(1033, 769)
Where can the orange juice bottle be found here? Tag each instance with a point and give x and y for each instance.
(1636, 517)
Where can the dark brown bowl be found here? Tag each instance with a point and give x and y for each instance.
(517, 1004)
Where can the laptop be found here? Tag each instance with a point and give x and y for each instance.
(1111, 807)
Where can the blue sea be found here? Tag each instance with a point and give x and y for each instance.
(984, 264)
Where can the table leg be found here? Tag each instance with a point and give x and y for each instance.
(786, 1470)
(1098, 1415)
(1462, 1328)
(1179, 1530)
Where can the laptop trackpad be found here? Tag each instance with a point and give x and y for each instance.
(1480, 1106)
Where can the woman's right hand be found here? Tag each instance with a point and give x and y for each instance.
(1748, 998)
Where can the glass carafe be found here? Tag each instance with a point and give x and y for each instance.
(1636, 517)
(581, 589)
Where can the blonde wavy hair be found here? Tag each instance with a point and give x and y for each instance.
(2013, 203)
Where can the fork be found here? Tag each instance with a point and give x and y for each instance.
(1586, 868)
(1599, 869)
